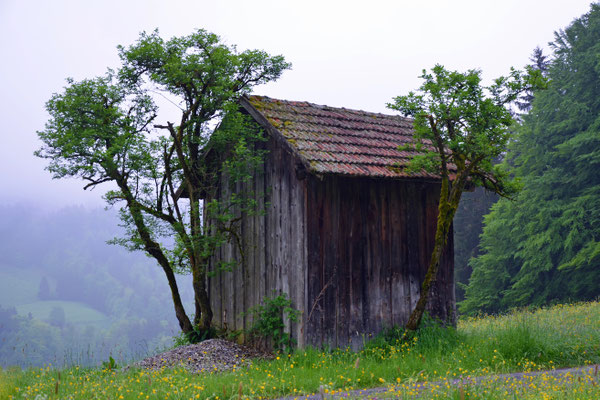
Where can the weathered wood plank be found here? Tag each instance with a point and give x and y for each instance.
(358, 288)
(239, 271)
(248, 247)
(384, 246)
(272, 224)
(374, 260)
(258, 230)
(275, 281)
(430, 212)
(303, 300)
(343, 222)
(365, 257)
(334, 267)
(413, 237)
(295, 254)
(385, 278)
(397, 257)
(327, 268)
(285, 226)
(314, 328)
(265, 230)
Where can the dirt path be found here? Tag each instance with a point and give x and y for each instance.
(517, 376)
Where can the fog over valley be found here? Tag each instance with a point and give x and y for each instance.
(68, 297)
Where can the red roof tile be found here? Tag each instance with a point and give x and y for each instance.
(338, 140)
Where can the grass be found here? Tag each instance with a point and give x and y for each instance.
(561, 336)
(19, 289)
(75, 312)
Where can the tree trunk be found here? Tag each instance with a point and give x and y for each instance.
(184, 322)
(204, 303)
(203, 316)
(155, 251)
(449, 200)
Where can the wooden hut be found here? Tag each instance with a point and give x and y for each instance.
(345, 234)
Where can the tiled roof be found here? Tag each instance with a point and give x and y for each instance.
(341, 141)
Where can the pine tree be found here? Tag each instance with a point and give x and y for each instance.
(468, 225)
(545, 246)
(541, 63)
(468, 222)
(44, 290)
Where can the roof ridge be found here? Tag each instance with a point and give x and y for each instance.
(328, 107)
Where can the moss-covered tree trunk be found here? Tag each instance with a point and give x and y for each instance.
(154, 250)
(460, 128)
(449, 199)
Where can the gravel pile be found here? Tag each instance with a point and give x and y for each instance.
(208, 356)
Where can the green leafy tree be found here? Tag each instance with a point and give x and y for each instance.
(460, 128)
(545, 246)
(107, 129)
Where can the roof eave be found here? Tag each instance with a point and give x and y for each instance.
(276, 134)
(280, 139)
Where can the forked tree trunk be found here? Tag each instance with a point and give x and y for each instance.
(204, 302)
(155, 251)
(204, 314)
(153, 248)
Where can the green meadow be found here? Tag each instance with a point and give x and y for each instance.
(20, 290)
(75, 313)
(543, 339)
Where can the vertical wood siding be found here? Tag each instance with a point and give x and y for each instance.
(369, 245)
(350, 252)
(274, 248)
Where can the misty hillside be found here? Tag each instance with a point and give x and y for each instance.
(67, 296)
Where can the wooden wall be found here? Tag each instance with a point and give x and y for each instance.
(369, 245)
(274, 246)
(350, 252)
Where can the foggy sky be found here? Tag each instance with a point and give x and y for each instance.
(354, 54)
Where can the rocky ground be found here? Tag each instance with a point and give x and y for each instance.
(210, 355)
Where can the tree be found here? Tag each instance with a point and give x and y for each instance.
(44, 290)
(545, 246)
(459, 130)
(468, 224)
(57, 317)
(104, 130)
(468, 221)
(540, 63)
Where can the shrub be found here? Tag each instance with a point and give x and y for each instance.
(269, 322)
